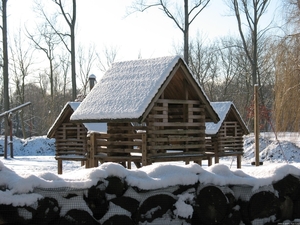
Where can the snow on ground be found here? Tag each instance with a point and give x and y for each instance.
(36, 154)
(34, 166)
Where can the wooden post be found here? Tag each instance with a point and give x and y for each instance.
(256, 125)
(239, 161)
(144, 150)
(10, 124)
(91, 156)
(215, 143)
(5, 136)
(59, 166)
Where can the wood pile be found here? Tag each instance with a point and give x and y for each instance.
(113, 201)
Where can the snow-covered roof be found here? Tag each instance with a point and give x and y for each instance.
(222, 109)
(91, 127)
(126, 90)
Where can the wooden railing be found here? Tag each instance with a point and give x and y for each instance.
(71, 144)
(121, 148)
(228, 142)
(127, 148)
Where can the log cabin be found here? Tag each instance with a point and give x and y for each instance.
(226, 137)
(155, 111)
(71, 138)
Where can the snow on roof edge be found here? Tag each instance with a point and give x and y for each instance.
(91, 127)
(222, 109)
(213, 128)
(83, 115)
(58, 117)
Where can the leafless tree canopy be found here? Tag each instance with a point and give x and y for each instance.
(181, 15)
(41, 59)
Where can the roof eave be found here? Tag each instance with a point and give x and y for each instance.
(118, 120)
(58, 120)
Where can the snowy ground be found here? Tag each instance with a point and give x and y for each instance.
(36, 154)
(34, 166)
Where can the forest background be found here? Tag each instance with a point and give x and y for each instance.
(48, 67)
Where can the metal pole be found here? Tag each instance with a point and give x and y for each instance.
(256, 125)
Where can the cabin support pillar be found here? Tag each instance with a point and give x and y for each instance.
(144, 150)
(59, 166)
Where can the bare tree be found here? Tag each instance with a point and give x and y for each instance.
(252, 11)
(182, 19)
(5, 54)
(230, 67)
(5, 69)
(204, 65)
(70, 18)
(21, 63)
(45, 40)
(106, 57)
(86, 61)
(64, 69)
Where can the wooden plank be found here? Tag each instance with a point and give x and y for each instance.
(125, 128)
(179, 147)
(118, 136)
(240, 139)
(119, 158)
(117, 150)
(118, 143)
(69, 158)
(175, 138)
(178, 101)
(159, 108)
(161, 124)
(70, 144)
(179, 152)
(69, 153)
(185, 158)
(179, 131)
(197, 109)
(232, 153)
(158, 116)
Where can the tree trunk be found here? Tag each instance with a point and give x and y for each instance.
(186, 32)
(5, 71)
(73, 58)
(5, 55)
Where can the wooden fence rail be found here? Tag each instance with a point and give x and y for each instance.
(124, 149)
(127, 148)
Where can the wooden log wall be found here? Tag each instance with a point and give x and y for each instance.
(71, 144)
(122, 144)
(176, 131)
(71, 139)
(230, 137)
(227, 142)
